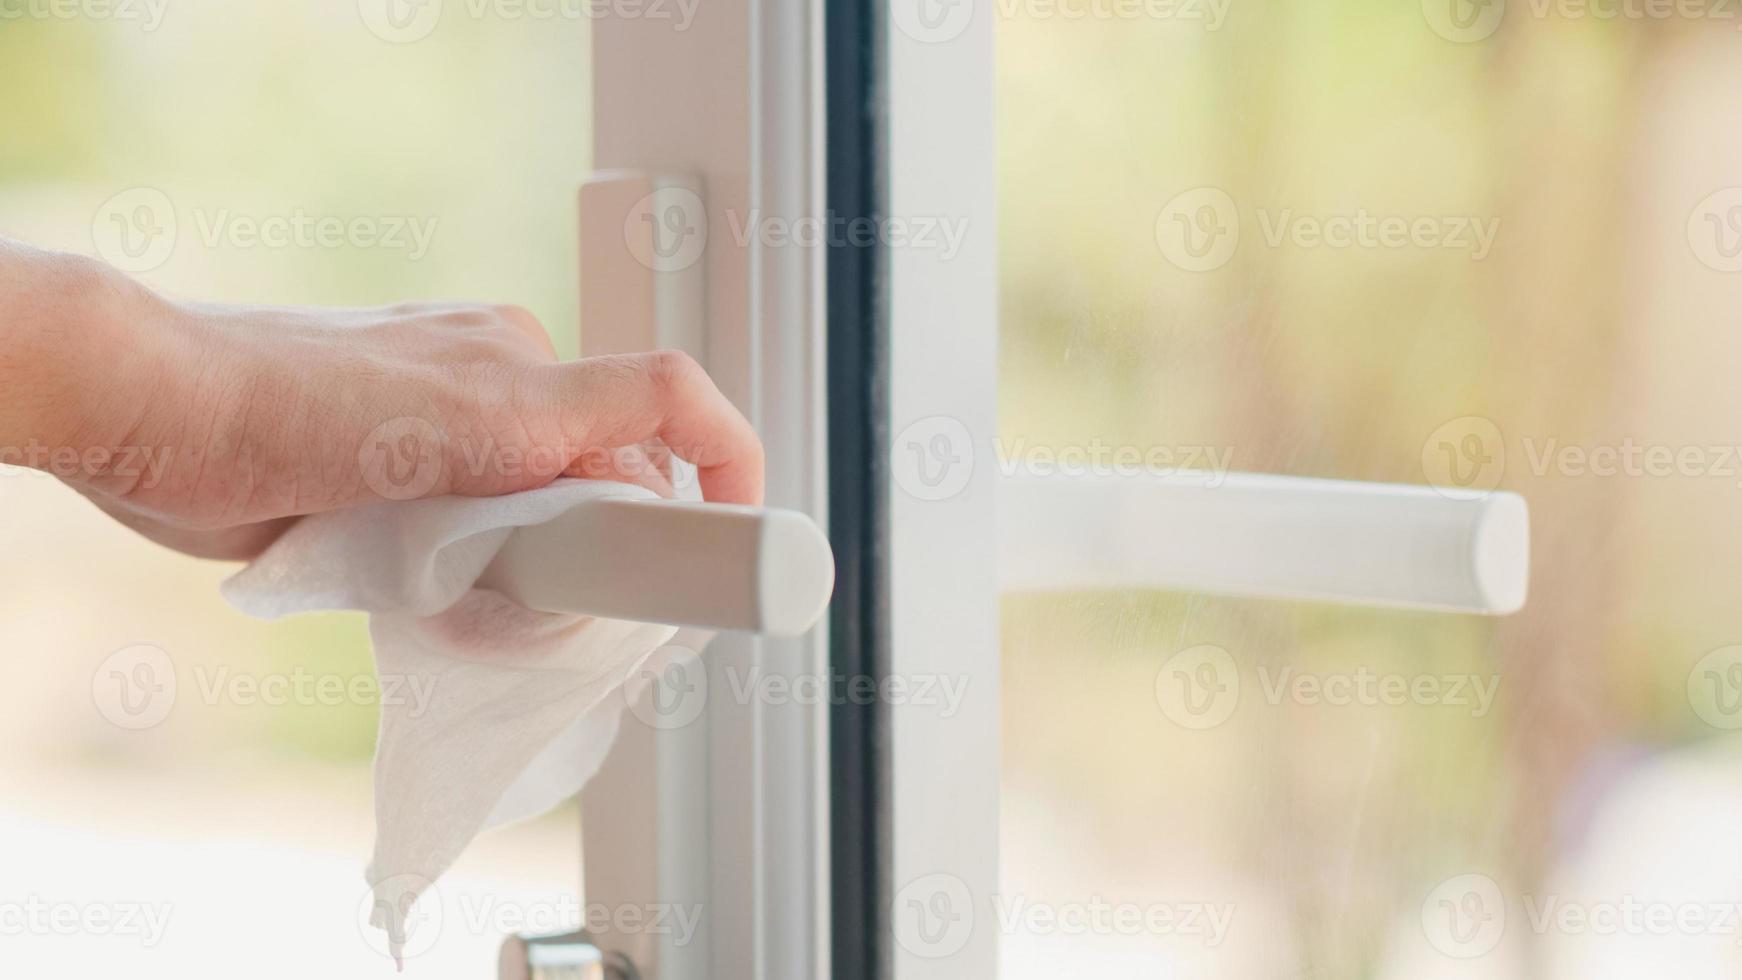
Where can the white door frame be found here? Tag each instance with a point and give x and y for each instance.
(732, 813)
(943, 574)
(728, 814)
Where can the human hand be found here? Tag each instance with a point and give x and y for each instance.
(211, 428)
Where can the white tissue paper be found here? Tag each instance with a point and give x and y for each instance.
(516, 709)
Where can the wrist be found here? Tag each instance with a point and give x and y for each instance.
(71, 332)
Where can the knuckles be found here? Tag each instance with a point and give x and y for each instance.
(671, 370)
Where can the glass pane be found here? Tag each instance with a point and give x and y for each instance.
(294, 153)
(1447, 242)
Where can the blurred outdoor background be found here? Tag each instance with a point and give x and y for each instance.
(252, 819)
(1164, 179)
(1409, 840)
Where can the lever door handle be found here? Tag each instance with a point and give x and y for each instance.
(1263, 536)
(714, 566)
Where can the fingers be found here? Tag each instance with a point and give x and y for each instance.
(664, 396)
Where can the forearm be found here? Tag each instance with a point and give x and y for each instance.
(69, 332)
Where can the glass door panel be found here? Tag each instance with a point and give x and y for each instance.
(1421, 244)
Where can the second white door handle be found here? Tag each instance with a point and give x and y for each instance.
(1274, 537)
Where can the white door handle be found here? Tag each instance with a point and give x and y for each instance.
(713, 566)
(1266, 536)
(686, 564)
